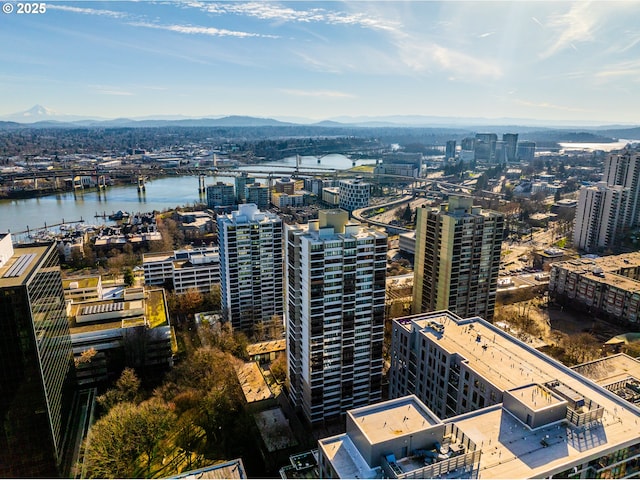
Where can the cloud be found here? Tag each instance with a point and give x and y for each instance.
(87, 11)
(109, 90)
(485, 35)
(550, 106)
(317, 93)
(623, 69)
(273, 12)
(426, 57)
(577, 25)
(196, 30)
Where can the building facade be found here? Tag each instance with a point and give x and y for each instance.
(606, 286)
(36, 362)
(221, 196)
(251, 276)
(336, 301)
(242, 181)
(526, 151)
(457, 258)
(183, 269)
(600, 216)
(623, 169)
(354, 194)
(257, 194)
(528, 415)
(511, 146)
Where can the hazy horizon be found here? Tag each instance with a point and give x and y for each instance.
(543, 61)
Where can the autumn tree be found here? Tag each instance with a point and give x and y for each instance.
(127, 389)
(126, 442)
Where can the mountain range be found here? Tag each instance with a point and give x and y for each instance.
(42, 117)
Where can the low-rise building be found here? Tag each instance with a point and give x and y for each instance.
(184, 269)
(108, 335)
(542, 259)
(607, 286)
(331, 196)
(82, 289)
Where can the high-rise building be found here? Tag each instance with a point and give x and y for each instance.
(257, 194)
(457, 258)
(251, 267)
(485, 147)
(242, 181)
(335, 315)
(624, 169)
(354, 194)
(221, 196)
(511, 141)
(600, 216)
(450, 150)
(526, 151)
(36, 361)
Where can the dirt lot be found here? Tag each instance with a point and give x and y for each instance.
(570, 336)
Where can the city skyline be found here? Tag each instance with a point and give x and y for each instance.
(554, 61)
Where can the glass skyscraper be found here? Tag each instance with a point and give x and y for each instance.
(36, 361)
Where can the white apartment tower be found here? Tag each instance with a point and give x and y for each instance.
(600, 216)
(624, 169)
(335, 319)
(250, 267)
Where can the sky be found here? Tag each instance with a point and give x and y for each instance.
(551, 61)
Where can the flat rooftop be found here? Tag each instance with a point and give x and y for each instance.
(82, 282)
(511, 449)
(253, 384)
(384, 421)
(267, 347)
(536, 397)
(21, 265)
(608, 370)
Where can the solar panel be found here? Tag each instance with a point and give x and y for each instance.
(102, 308)
(19, 266)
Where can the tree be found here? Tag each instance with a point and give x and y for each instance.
(127, 389)
(279, 367)
(126, 442)
(128, 277)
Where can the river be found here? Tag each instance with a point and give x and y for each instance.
(17, 215)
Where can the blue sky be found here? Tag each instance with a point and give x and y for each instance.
(520, 59)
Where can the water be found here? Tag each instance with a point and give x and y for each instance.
(162, 193)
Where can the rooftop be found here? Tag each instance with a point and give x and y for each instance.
(608, 370)
(21, 265)
(384, 421)
(266, 347)
(223, 470)
(510, 448)
(253, 384)
(81, 282)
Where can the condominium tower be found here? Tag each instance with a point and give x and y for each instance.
(36, 361)
(600, 216)
(335, 318)
(606, 209)
(457, 258)
(250, 267)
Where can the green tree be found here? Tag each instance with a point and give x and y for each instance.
(128, 277)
